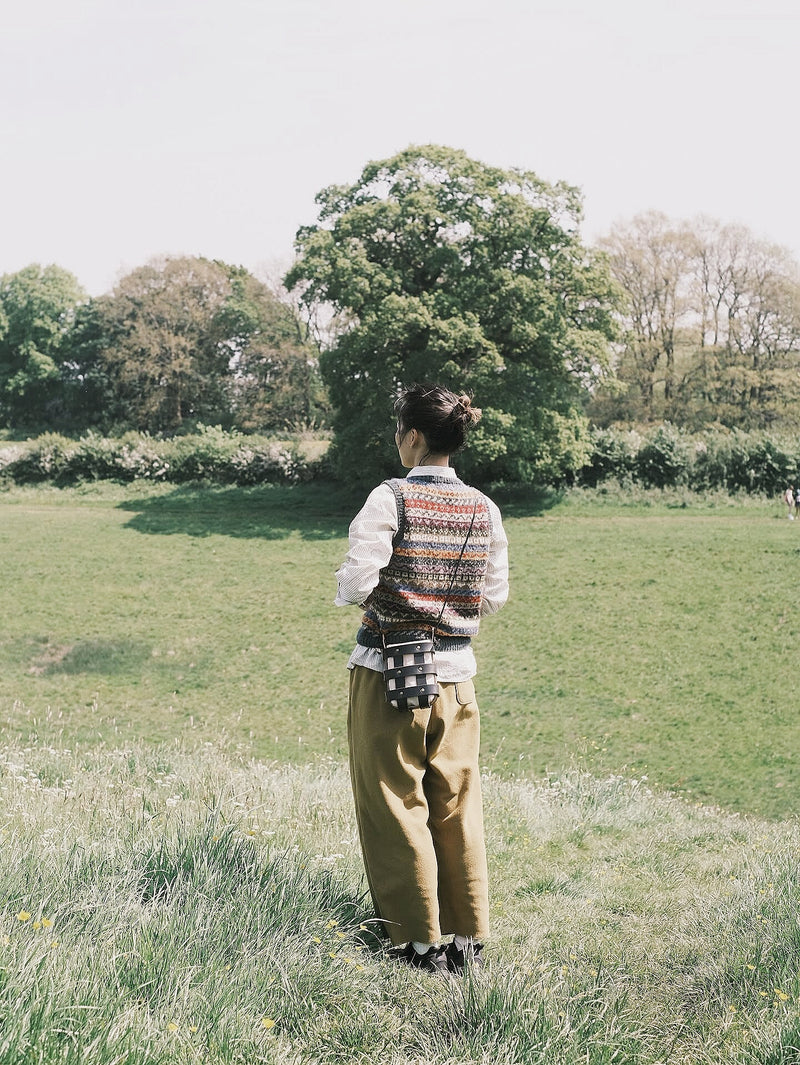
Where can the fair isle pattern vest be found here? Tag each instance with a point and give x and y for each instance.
(433, 515)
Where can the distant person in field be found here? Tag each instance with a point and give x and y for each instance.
(796, 499)
(428, 554)
(789, 500)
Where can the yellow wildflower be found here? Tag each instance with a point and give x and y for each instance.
(172, 1027)
(267, 1022)
(23, 915)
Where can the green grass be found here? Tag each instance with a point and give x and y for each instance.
(663, 643)
(200, 898)
(653, 637)
(173, 610)
(168, 906)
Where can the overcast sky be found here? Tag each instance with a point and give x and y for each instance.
(135, 128)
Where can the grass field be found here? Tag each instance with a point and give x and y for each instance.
(657, 639)
(181, 879)
(164, 906)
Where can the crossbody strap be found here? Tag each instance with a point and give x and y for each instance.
(461, 555)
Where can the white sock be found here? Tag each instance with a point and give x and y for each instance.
(421, 948)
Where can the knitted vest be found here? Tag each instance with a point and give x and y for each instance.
(434, 515)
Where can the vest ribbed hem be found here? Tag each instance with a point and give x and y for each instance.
(367, 638)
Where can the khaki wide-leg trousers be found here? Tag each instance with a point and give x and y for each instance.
(417, 793)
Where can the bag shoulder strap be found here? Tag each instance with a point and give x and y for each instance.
(458, 563)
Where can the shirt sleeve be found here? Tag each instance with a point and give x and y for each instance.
(371, 534)
(495, 592)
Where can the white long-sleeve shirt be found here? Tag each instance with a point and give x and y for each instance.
(371, 533)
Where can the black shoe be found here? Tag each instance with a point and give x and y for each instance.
(434, 960)
(464, 953)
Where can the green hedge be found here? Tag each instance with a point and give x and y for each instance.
(665, 455)
(658, 457)
(210, 454)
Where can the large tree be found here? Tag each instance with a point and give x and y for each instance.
(438, 267)
(37, 309)
(162, 352)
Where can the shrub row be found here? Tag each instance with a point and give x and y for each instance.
(657, 458)
(210, 454)
(664, 456)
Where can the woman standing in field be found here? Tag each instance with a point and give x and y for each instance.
(427, 553)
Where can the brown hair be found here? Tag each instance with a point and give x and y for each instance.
(439, 414)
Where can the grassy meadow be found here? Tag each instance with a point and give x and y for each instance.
(645, 637)
(180, 872)
(165, 906)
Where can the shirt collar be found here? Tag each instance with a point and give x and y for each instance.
(432, 471)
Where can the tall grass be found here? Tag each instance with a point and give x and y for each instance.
(163, 905)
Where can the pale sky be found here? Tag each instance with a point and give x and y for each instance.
(136, 128)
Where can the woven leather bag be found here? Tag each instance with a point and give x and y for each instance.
(409, 673)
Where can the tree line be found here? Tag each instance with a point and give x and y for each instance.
(431, 265)
(710, 319)
(177, 342)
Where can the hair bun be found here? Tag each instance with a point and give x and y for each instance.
(442, 417)
(471, 415)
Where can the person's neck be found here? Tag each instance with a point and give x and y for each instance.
(435, 460)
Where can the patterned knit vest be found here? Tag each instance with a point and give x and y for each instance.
(434, 515)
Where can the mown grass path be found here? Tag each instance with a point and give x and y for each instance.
(638, 640)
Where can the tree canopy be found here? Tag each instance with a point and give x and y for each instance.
(711, 325)
(192, 339)
(37, 309)
(439, 267)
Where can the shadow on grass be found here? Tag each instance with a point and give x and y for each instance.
(525, 501)
(107, 657)
(318, 511)
(315, 511)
